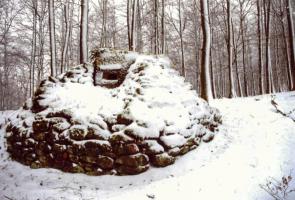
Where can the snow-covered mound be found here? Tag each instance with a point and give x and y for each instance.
(118, 116)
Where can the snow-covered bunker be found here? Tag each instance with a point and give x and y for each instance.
(119, 115)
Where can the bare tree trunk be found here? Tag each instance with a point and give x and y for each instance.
(196, 43)
(67, 35)
(260, 64)
(212, 76)
(133, 25)
(5, 80)
(103, 42)
(267, 6)
(71, 51)
(206, 88)
(52, 38)
(33, 52)
(128, 25)
(163, 39)
(236, 62)
(156, 28)
(291, 38)
(253, 82)
(276, 82)
(232, 91)
(41, 34)
(84, 32)
(244, 57)
(181, 39)
(139, 42)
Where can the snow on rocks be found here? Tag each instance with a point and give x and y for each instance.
(118, 116)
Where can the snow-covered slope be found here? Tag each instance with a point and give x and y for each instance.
(253, 144)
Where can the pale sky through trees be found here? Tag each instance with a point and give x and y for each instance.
(247, 73)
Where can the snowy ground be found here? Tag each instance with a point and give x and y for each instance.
(254, 143)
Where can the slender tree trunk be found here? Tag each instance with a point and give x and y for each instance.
(212, 76)
(181, 39)
(267, 6)
(156, 27)
(33, 52)
(84, 32)
(67, 35)
(40, 60)
(260, 64)
(244, 57)
(276, 66)
(139, 42)
(103, 42)
(253, 82)
(220, 70)
(5, 72)
(71, 51)
(291, 38)
(232, 91)
(52, 38)
(196, 44)
(206, 88)
(128, 25)
(163, 42)
(133, 25)
(236, 61)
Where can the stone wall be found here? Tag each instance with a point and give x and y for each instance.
(41, 136)
(85, 151)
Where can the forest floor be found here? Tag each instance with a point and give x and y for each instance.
(255, 145)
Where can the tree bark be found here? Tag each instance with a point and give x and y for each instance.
(133, 24)
(103, 42)
(139, 42)
(291, 38)
(267, 6)
(67, 35)
(260, 64)
(40, 61)
(52, 38)
(235, 48)
(232, 91)
(84, 32)
(206, 88)
(33, 52)
(244, 57)
(181, 39)
(163, 42)
(156, 28)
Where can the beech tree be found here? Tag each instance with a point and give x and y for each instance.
(67, 35)
(260, 65)
(206, 88)
(103, 42)
(84, 32)
(131, 22)
(229, 50)
(291, 38)
(268, 67)
(52, 38)
(33, 51)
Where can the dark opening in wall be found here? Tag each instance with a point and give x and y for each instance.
(110, 75)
